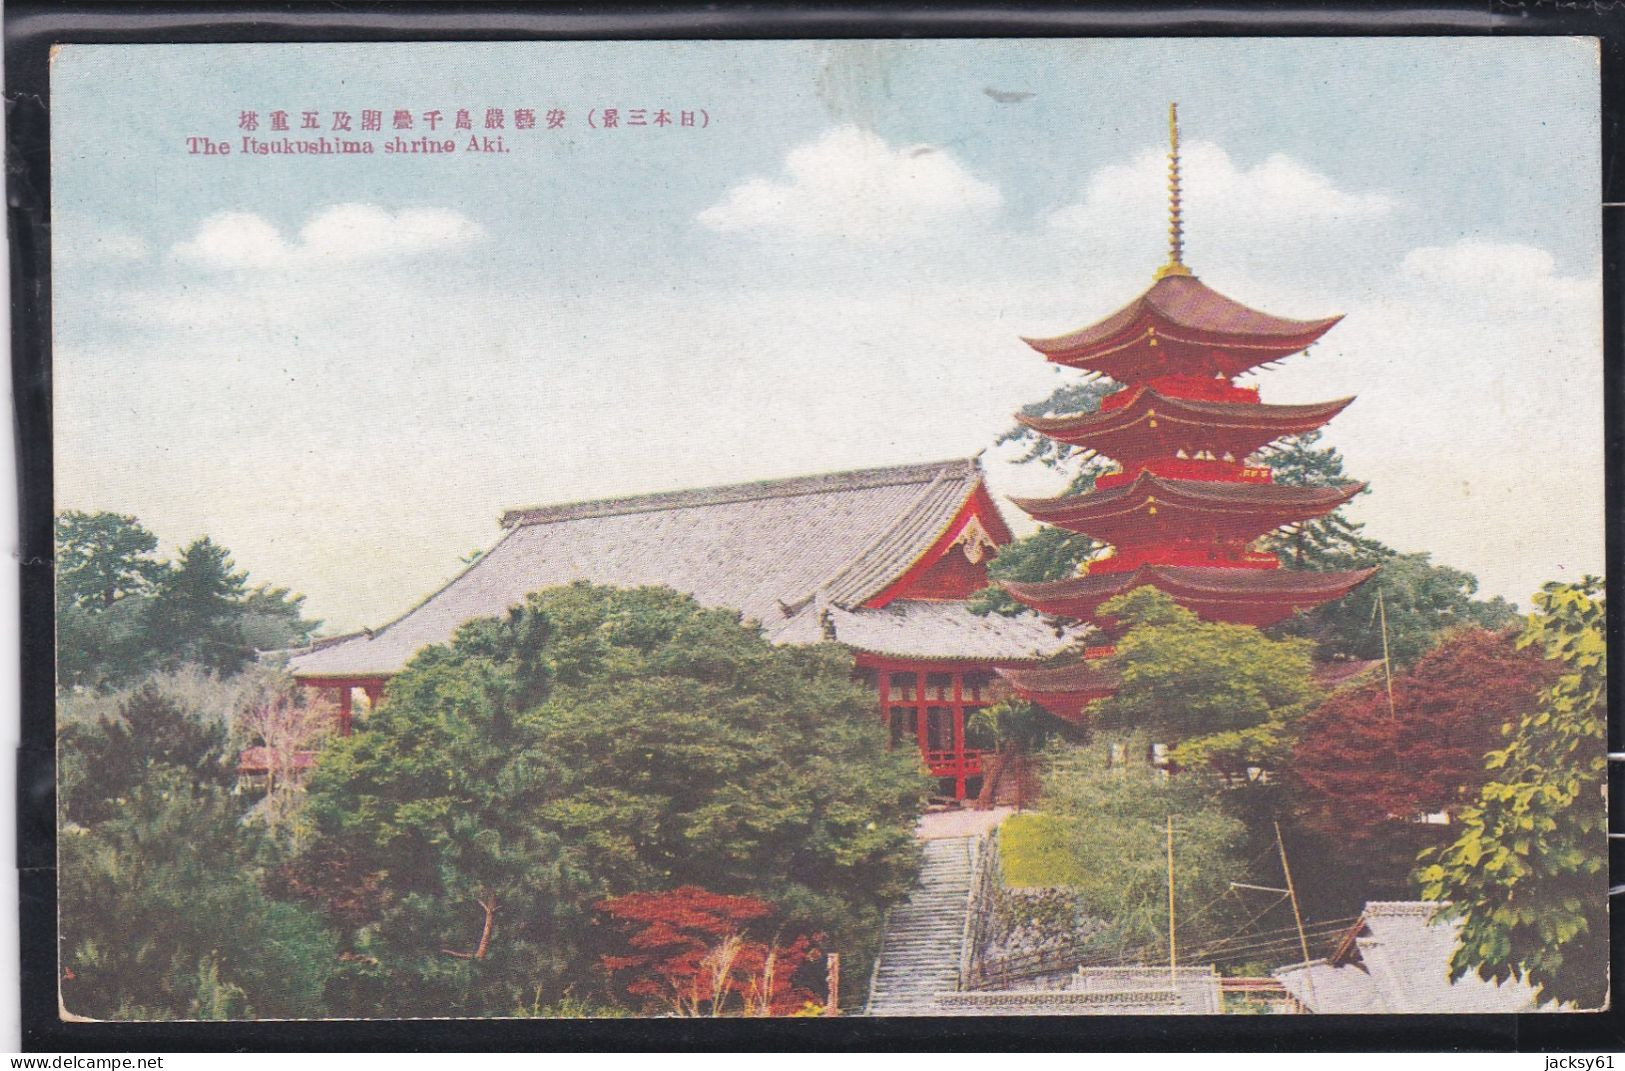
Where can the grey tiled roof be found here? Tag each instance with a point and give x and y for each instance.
(781, 552)
(908, 628)
(1403, 966)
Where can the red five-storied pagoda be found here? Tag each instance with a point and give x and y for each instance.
(1186, 506)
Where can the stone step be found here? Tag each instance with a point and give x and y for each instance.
(920, 950)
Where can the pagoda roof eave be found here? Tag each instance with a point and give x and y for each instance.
(1181, 308)
(1064, 691)
(1266, 502)
(1254, 596)
(1280, 419)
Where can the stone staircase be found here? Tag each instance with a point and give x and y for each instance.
(920, 954)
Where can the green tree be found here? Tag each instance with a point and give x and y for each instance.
(1329, 542)
(1049, 553)
(103, 762)
(197, 601)
(162, 910)
(1227, 694)
(1113, 818)
(102, 648)
(163, 917)
(1421, 602)
(1078, 396)
(598, 742)
(103, 557)
(206, 614)
(105, 576)
(1528, 875)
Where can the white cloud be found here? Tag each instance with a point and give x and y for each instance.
(1227, 207)
(849, 183)
(338, 234)
(1505, 278)
(235, 240)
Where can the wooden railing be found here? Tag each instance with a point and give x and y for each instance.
(946, 763)
(1266, 991)
(1189, 468)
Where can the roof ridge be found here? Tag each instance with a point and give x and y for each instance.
(690, 498)
(886, 533)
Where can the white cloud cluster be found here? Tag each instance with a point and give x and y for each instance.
(1503, 276)
(849, 183)
(1227, 206)
(338, 234)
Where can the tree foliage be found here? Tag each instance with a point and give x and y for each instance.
(162, 911)
(163, 917)
(1361, 765)
(1048, 554)
(1076, 396)
(596, 743)
(1223, 692)
(121, 614)
(692, 952)
(1112, 818)
(102, 558)
(1421, 602)
(1329, 542)
(104, 762)
(1528, 874)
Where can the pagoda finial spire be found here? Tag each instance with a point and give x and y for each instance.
(1176, 229)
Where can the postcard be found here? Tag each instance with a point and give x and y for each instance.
(829, 528)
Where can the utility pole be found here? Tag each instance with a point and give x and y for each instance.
(1387, 670)
(1297, 916)
(1173, 947)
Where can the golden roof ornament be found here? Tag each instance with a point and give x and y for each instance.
(1176, 229)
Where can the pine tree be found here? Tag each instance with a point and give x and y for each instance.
(198, 600)
(1329, 542)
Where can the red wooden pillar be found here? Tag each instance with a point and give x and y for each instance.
(959, 734)
(375, 694)
(922, 720)
(345, 712)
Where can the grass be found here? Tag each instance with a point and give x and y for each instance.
(1034, 854)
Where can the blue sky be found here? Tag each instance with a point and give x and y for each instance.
(345, 367)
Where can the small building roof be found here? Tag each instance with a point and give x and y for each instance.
(1399, 961)
(917, 630)
(795, 555)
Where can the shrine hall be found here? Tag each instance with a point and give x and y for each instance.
(881, 560)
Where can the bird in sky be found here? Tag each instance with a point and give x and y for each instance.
(1008, 96)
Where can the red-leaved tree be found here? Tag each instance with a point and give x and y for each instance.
(692, 952)
(1361, 766)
